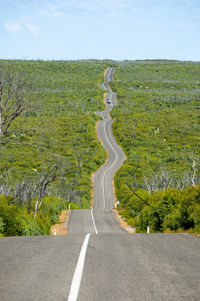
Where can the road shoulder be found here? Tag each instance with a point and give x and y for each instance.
(61, 227)
(123, 223)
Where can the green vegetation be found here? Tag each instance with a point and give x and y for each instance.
(157, 123)
(17, 221)
(169, 210)
(58, 125)
(50, 150)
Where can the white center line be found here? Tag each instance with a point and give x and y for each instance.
(93, 221)
(76, 282)
(116, 157)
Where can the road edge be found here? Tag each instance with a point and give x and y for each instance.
(123, 223)
(61, 227)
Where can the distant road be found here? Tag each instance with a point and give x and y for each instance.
(103, 179)
(82, 221)
(98, 260)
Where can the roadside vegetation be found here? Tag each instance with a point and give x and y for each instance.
(50, 149)
(157, 123)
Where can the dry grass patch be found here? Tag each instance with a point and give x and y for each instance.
(123, 223)
(61, 227)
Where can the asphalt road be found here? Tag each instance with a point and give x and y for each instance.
(98, 260)
(93, 221)
(103, 179)
(135, 267)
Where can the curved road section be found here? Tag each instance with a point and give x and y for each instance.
(103, 179)
(101, 219)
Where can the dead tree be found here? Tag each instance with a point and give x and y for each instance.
(162, 180)
(12, 101)
(194, 177)
(47, 176)
(21, 191)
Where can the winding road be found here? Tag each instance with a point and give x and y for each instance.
(98, 260)
(101, 219)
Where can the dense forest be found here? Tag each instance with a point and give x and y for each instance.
(50, 149)
(157, 123)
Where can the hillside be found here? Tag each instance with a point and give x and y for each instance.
(57, 125)
(157, 123)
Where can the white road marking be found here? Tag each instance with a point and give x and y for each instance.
(75, 286)
(116, 156)
(105, 172)
(93, 221)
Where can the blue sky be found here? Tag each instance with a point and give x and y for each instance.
(100, 29)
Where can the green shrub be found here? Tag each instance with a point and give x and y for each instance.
(171, 209)
(16, 221)
(195, 215)
(143, 220)
(172, 220)
(1, 226)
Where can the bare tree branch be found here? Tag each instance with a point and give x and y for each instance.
(145, 202)
(47, 176)
(12, 101)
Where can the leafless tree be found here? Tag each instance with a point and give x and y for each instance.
(161, 180)
(183, 181)
(12, 101)
(164, 179)
(195, 160)
(47, 176)
(21, 192)
(148, 184)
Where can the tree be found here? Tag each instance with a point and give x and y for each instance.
(12, 101)
(194, 168)
(47, 176)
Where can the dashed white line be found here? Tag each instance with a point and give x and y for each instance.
(93, 221)
(103, 189)
(75, 286)
(116, 156)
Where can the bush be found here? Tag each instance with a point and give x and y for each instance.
(15, 221)
(170, 210)
(143, 220)
(195, 216)
(172, 220)
(1, 226)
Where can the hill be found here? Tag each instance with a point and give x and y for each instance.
(157, 123)
(57, 128)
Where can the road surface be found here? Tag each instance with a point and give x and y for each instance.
(98, 260)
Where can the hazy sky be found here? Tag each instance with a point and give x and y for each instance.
(113, 29)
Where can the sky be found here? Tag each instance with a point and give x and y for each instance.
(100, 29)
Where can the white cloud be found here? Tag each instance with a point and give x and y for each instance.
(26, 24)
(94, 6)
(13, 27)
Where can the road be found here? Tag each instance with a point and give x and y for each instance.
(98, 260)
